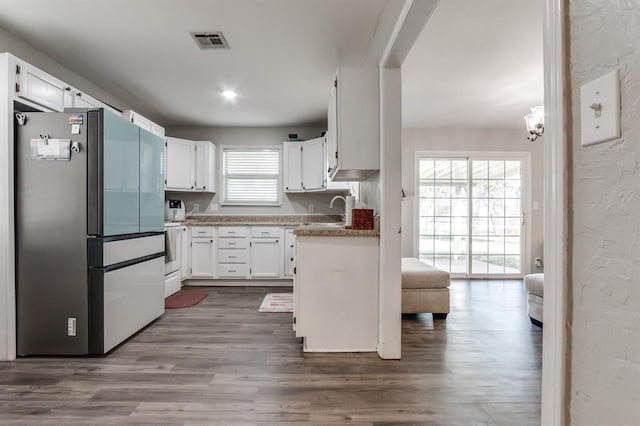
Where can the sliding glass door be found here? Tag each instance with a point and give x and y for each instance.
(470, 213)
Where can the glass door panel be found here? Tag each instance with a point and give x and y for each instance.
(151, 182)
(121, 174)
(470, 215)
(444, 214)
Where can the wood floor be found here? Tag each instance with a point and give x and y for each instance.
(223, 362)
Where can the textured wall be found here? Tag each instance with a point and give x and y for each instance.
(605, 364)
(465, 140)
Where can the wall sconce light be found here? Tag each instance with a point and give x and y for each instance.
(535, 123)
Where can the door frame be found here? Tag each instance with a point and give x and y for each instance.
(557, 237)
(525, 198)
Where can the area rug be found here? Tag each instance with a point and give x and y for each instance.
(184, 299)
(277, 302)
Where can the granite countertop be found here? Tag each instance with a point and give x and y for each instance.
(261, 220)
(333, 230)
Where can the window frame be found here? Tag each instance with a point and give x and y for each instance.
(223, 175)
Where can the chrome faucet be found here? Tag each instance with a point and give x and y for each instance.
(338, 197)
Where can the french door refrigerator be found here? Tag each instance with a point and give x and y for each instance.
(89, 220)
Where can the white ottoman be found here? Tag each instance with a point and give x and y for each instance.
(534, 283)
(424, 288)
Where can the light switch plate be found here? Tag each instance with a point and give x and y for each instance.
(600, 109)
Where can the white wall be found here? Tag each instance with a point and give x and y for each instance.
(605, 323)
(291, 203)
(470, 140)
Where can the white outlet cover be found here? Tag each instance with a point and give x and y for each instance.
(604, 91)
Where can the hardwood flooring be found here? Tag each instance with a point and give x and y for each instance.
(223, 362)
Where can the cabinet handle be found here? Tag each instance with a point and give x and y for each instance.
(232, 244)
(276, 241)
(212, 241)
(232, 257)
(292, 259)
(291, 246)
(232, 270)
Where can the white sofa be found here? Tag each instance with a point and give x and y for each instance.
(424, 289)
(534, 284)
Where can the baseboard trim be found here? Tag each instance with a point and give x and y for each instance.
(237, 283)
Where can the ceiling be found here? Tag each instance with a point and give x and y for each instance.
(282, 58)
(477, 63)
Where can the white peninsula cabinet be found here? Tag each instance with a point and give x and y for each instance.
(190, 165)
(335, 290)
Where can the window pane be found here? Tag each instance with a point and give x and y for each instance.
(443, 207)
(443, 226)
(496, 169)
(427, 207)
(479, 265)
(459, 226)
(512, 208)
(496, 208)
(480, 169)
(496, 245)
(496, 265)
(496, 226)
(512, 245)
(512, 188)
(459, 189)
(459, 245)
(480, 226)
(480, 189)
(427, 189)
(460, 207)
(512, 169)
(427, 169)
(459, 264)
(459, 169)
(426, 245)
(481, 207)
(496, 189)
(442, 245)
(480, 245)
(512, 264)
(427, 225)
(512, 226)
(443, 169)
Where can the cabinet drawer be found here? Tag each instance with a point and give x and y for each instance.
(202, 232)
(232, 271)
(265, 232)
(232, 232)
(233, 243)
(232, 256)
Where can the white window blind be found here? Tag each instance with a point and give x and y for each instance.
(251, 176)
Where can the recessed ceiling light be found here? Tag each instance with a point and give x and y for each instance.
(229, 94)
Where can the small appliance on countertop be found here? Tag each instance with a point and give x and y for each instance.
(174, 211)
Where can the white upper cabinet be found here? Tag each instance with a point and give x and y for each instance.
(190, 165)
(313, 165)
(205, 166)
(39, 88)
(180, 165)
(304, 166)
(354, 125)
(143, 122)
(292, 167)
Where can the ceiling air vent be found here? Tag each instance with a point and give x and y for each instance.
(210, 40)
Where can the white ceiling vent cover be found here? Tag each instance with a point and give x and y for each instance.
(210, 40)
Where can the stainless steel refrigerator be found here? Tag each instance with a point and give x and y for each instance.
(89, 221)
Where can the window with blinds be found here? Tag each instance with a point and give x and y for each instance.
(251, 176)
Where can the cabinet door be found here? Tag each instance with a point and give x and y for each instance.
(185, 254)
(332, 132)
(313, 174)
(151, 182)
(202, 258)
(180, 164)
(121, 176)
(292, 167)
(204, 163)
(289, 252)
(265, 258)
(39, 88)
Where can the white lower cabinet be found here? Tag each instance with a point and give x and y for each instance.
(202, 258)
(265, 258)
(236, 252)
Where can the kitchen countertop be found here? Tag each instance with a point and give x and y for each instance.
(261, 220)
(333, 230)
